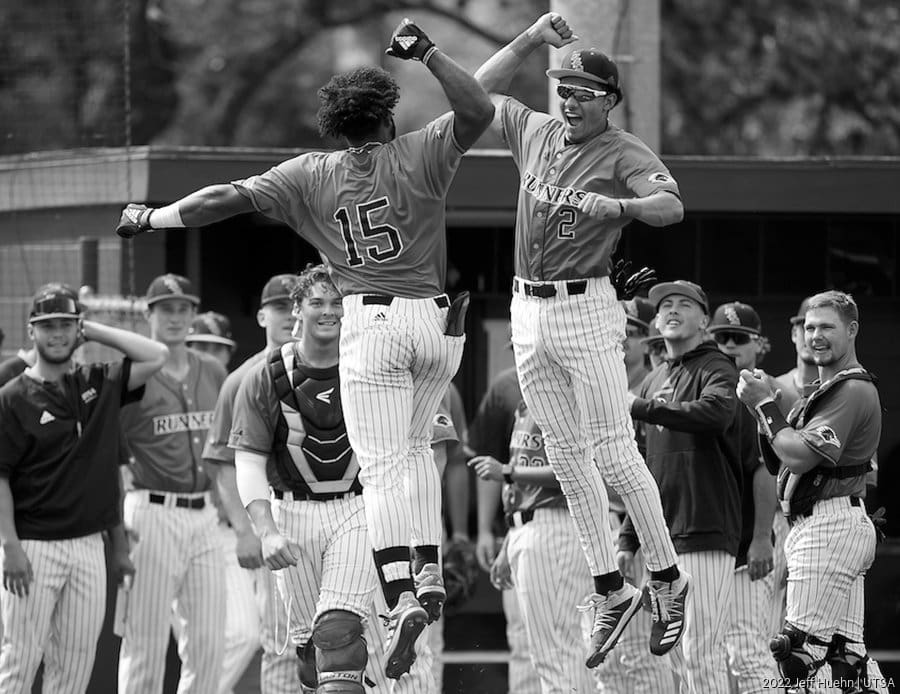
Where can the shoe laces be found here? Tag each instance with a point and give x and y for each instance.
(666, 605)
(604, 618)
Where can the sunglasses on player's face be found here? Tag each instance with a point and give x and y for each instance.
(723, 338)
(581, 94)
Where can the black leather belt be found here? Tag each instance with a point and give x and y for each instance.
(305, 496)
(854, 501)
(517, 519)
(194, 502)
(546, 291)
(443, 301)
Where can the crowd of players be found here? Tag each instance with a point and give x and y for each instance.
(623, 487)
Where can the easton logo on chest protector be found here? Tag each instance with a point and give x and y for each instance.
(312, 450)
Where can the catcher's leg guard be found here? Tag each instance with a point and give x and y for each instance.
(341, 655)
(795, 663)
(306, 669)
(848, 669)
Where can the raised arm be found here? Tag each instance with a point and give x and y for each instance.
(200, 208)
(497, 73)
(470, 103)
(147, 356)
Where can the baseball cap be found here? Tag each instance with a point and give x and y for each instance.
(211, 327)
(660, 291)
(277, 288)
(736, 317)
(639, 312)
(590, 64)
(801, 312)
(653, 336)
(171, 286)
(54, 300)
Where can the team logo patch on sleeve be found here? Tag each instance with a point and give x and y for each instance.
(659, 177)
(441, 420)
(828, 436)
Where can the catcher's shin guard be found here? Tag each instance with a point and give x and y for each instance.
(795, 664)
(341, 655)
(848, 669)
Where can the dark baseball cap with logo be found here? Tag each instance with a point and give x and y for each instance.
(590, 64)
(736, 317)
(801, 312)
(660, 291)
(211, 327)
(639, 312)
(278, 288)
(170, 286)
(54, 300)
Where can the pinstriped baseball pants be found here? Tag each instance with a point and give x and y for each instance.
(572, 372)
(60, 618)
(396, 364)
(748, 634)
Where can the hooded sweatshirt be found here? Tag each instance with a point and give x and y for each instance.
(694, 450)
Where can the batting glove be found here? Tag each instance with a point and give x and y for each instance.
(135, 220)
(409, 42)
(627, 285)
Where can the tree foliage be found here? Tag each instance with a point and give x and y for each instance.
(809, 77)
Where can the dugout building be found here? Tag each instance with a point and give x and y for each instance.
(767, 232)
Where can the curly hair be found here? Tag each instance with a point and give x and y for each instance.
(355, 102)
(310, 277)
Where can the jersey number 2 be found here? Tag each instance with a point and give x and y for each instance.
(368, 231)
(567, 221)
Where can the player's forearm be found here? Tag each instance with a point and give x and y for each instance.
(205, 206)
(657, 210)
(470, 103)
(764, 503)
(140, 349)
(713, 412)
(497, 72)
(487, 494)
(8, 533)
(226, 486)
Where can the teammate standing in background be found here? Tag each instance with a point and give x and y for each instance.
(822, 454)
(582, 180)
(252, 607)
(59, 490)
(12, 367)
(376, 212)
(288, 434)
(693, 451)
(489, 435)
(630, 669)
(736, 328)
(169, 505)
(540, 559)
(211, 333)
(656, 347)
(794, 384)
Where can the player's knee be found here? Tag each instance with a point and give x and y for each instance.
(341, 654)
(795, 662)
(846, 666)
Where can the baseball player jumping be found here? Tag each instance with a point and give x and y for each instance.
(376, 212)
(59, 490)
(582, 179)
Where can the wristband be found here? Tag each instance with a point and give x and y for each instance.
(621, 208)
(167, 217)
(770, 419)
(507, 474)
(430, 52)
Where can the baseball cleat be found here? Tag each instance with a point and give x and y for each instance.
(430, 591)
(667, 609)
(612, 612)
(404, 624)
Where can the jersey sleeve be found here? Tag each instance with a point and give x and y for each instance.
(642, 171)
(520, 125)
(216, 449)
(434, 151)
(120, 372)
(281, 193)
(255, 410)
(829, 430)
(13, 443)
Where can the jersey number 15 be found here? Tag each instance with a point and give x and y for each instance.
(367, 230)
